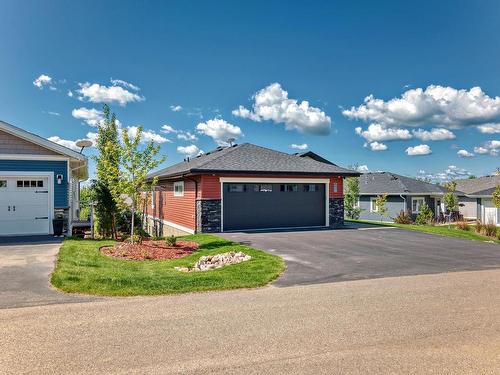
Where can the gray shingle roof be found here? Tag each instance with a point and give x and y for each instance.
(391, 183)
(478, 186)
(249, 158)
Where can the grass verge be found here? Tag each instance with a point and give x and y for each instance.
(82, 268)
(451, 231)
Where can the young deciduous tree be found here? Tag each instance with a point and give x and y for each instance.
(496, 197)
(351, 198)
(381, 205)
(107, 171)
(136, 164)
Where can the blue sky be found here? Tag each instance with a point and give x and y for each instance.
(428, 65)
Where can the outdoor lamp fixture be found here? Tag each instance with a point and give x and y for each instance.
(59, 179)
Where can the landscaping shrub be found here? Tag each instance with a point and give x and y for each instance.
(490, 230)
(462, 225)
(171, 240)
(403, 217)
(479, 227)
(425, 216)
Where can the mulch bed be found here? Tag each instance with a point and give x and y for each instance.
(150, 250)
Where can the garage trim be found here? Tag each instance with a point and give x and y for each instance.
(270, 180)
(50, 188)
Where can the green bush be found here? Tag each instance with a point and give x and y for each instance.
(425, 216)
(403, 217)
(171, 240)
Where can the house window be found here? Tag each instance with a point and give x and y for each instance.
(236, 188)
(178, 188)
(310, 188)
(416, 204)
(289, 187)
(373, 205)
(29, 183)
(3, 183)
(264, 188)
(335, 187)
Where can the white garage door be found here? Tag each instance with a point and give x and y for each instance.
(24, 205)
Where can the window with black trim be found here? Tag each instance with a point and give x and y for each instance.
(236, 188)
(310, 188)
(29, 183)
(3, 183)
(289, 188)
(263, 188)
(178, 188)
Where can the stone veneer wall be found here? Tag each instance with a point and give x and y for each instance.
(336, 212)
(208, 215)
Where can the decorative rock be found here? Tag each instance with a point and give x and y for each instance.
(210, 262)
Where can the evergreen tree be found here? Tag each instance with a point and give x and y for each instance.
(351, 198)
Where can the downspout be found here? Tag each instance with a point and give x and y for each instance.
(404, 202)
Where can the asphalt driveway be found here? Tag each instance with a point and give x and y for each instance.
(25, 267)
(361, 251)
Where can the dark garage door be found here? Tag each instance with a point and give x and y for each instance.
(260, 206)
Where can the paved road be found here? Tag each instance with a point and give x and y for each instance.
(25, 266)
(367, 251)
(430, 324)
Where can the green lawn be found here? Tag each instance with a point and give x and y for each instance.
(81, 268)
(451, 231)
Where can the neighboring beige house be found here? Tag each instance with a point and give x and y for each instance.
(478, 204)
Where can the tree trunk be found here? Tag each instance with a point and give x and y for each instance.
(132, 224)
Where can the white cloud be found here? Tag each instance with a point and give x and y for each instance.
(436, 134)
(52, 113)
(490, 147)
(489, 128)
(70, 93)
(377, 146)
(377, 132)
(181, 134)
(444, 106)
(92, 136)
(146, 135)
(176, 108)
(97, 93)
(42, 80)
(167, 129)
(302, 146)
(418, 150)
(363, 168)
(191, 150)
(219, 130)
(186, 136)
(91, 116)
(119, 82)
(272, 103)
(451, 173)
(465, 154)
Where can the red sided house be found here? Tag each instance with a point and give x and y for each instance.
(246, 187)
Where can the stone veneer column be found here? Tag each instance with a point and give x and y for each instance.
(208, 215)
(336, 212)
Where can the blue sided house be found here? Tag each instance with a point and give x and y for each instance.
(39, 182)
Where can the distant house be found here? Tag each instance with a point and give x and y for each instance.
(246, 187)
(478, 204)
(403, 194)
(39, 181)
